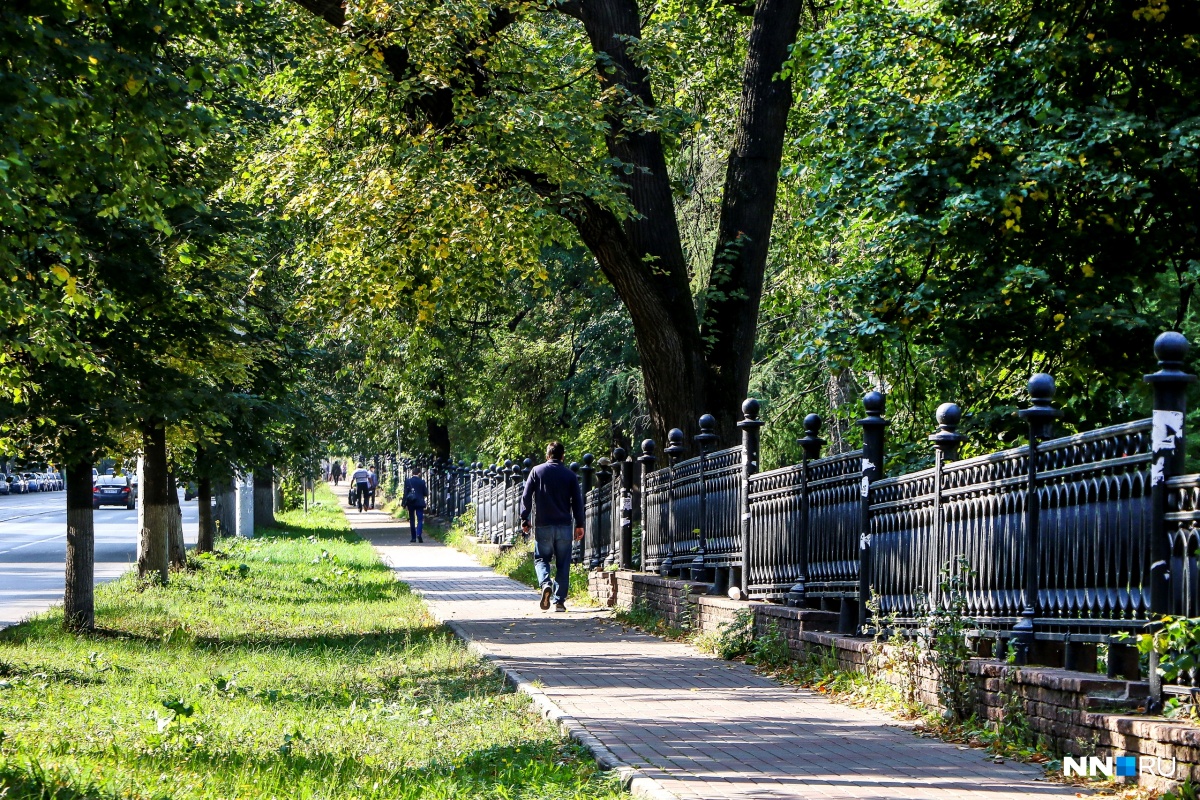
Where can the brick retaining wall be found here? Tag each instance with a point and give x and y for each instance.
(1078, 713)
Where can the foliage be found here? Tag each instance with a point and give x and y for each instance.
(316, 673)
(943, 633)
(733, 638)
(769, 651)
(984, 190)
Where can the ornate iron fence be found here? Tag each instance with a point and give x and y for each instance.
(1065, 542)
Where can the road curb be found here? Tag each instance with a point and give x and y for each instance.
(637, 782)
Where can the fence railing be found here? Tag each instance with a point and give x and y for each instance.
(1065, 542)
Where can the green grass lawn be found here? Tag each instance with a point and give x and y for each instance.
(288, 666)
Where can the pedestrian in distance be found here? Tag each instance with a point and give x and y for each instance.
(553, 497)
(416, 494)
(361, 481)
(374, 485)
(336, 472)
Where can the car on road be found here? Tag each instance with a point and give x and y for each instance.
(16, 483)
(57, 479)
(114, 490)
(4, 488)
(32, 484)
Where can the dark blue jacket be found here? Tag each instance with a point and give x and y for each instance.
(415, 489)
(555, 491)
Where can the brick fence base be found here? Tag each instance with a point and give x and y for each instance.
(1076, 713)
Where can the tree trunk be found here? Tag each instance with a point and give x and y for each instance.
(175, 545)
(225, 509)
(204, 534)
(730, 323)
(439, 438)
(79, 608)
(264, 497)
(690, 366)
(153, 554)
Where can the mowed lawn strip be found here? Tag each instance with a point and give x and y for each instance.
(293, 665)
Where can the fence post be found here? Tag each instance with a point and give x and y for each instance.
(946, 442)
(811, 443)
(624, 558)
(675, 449)
(1040, 415)
(751, 427)
(1170, 384)
(647, 460)
(873, 427)
(577, 546)
(704, 441)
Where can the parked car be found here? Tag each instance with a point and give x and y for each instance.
(59, 483)
(114, 490)
(17, 484)
(4, 489)
(32, 484)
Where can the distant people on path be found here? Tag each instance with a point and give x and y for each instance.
(336, 472)
(553, 490)
(374, 485)
(416, 493)
(361, 481)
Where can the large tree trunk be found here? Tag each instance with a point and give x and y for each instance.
(204, 534)
(175, 544)
(153, 555)
(690, 366)
(79, 609)
(730, 322)
(264, 497)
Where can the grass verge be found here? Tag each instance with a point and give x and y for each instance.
(291, 665)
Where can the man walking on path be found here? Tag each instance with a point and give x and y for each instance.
(361, 480)
(336, 471)
(374, 481)
(554, 490)
(415, 494)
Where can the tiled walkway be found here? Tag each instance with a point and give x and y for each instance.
(699, 727)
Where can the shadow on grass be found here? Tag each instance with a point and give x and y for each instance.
(540, 768)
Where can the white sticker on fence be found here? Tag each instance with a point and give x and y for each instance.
(1167, 427)
(866, 486)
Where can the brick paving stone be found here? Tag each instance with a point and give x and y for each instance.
(702, 728)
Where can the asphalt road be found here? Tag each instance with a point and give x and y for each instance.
(33, 549)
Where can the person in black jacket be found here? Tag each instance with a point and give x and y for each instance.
(415, 495)
(552, 495)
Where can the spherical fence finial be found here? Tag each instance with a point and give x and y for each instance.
(750, 408)
(619, 454)
(675, 437)
(527, 463)
(873, 403)
(812, 424)
(648, 447)
(707, 423)
(1041, 389)
(588, 458)
(948, 416)
(1171, 348)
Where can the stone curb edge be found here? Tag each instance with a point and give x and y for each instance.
(637, 782)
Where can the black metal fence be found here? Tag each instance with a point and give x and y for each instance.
(1068, 542)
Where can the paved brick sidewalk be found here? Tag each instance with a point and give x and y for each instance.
(701, 727)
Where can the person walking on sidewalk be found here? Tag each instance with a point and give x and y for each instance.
(336, 472)
(415, 495)
(553, 490)
(374, 481)
(361, 480)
